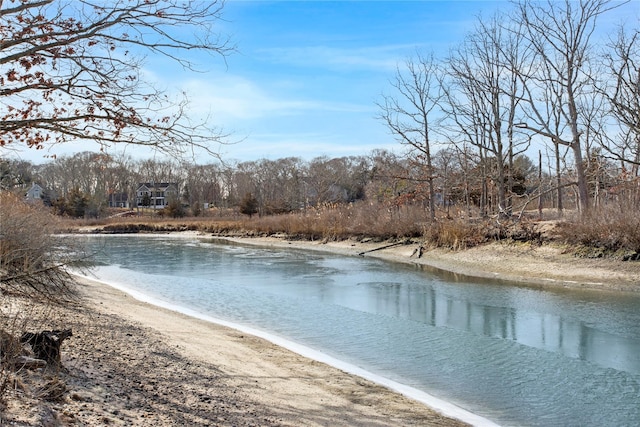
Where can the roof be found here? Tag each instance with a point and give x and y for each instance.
(157, 185)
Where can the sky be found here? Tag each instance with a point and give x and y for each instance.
(306, 75)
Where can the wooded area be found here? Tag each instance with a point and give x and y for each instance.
(533, 109)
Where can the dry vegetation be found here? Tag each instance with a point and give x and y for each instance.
(609, 231)
(605, 232)
(33, 284)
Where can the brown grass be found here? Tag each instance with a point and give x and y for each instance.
(608, 230)
(328, 222)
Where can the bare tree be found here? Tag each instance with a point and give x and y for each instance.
(484, 98)
(204, 185)
(71, 70)
(409, 113)
(560, 33)
(623, 96)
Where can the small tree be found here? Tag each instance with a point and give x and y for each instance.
(249, 205)
(76, 203)
(174, 209)
(146, 200)
(196, 208)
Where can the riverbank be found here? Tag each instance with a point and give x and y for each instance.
(132, 363)
(136, 364)
(546, 266)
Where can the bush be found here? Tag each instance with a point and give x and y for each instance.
(610, 228)
(32, 258)
(249, 205)
(32, 273)
(455, 234)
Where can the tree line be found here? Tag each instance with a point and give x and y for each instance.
(536, 74)
(80, 185)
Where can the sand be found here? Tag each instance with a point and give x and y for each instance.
(136, 364)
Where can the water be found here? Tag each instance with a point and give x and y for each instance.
(513, 354)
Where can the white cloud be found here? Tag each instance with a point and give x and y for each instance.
(235, 99)
(324, 57)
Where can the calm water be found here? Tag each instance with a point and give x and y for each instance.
(515, 355)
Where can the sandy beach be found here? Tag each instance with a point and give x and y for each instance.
(136, 364)
(131, 363)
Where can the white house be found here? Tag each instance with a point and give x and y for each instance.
(156, 195)
(34, 193)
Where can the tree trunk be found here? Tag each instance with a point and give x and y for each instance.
(559, 206)
(583, 189)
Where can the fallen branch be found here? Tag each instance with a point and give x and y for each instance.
(405, 242)
(26, 362)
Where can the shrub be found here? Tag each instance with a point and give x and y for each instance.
(32, 273)
(455, 234)
(32, 258)
(610, 228)
(249, 205)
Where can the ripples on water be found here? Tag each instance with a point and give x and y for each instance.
(517, 355)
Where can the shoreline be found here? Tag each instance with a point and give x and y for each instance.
(131, 363)
(545, 267)
(136, 362)
(445, 408)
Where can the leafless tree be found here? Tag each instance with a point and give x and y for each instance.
(204, 184)
(561, 35)
(483, 100)
(71, 70)
(622, 61)
(411, 112)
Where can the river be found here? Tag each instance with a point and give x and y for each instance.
(513, 354)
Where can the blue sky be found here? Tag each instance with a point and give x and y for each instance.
(306, 74)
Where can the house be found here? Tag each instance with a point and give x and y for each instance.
(118, 200)
(156, 195)
(34, 193)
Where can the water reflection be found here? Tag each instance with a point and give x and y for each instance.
(529, 317)
(550, 332)
(518, 355)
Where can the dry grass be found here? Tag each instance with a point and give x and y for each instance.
(329, 222)
(339, 222)
(611, 229)
(606, 230)
(455, 234)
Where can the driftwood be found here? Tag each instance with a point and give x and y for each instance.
(26, 362)
(46, 344)
(17, 355)
(417, 252)
(405, 242)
